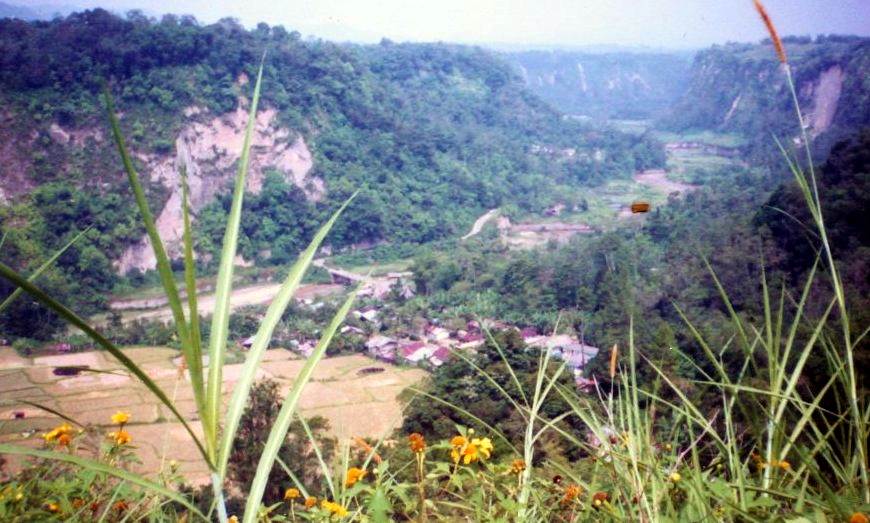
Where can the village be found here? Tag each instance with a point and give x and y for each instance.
(430, 343)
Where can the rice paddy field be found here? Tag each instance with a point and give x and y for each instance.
(355, 404)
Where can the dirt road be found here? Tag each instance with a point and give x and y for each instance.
(480, 222)
(253, 295)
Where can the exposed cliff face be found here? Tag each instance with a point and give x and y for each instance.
(614, 85)
(741, 88)
(825, 95)
(210, 149)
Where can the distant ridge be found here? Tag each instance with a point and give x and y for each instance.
(37, 12)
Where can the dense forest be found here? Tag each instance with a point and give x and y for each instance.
(593, 286)
(713, 343)
(431, 135)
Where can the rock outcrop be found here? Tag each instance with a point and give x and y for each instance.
(210, 150)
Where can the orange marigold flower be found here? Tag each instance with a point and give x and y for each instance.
(233, 519)
(458, 441)
(571, 493)
(858, 517)
(121, 437)
(310, 501)
(120, 417)
(354, 474)
(291, 493)
(417, 442)
(63, 440)
(518, 466)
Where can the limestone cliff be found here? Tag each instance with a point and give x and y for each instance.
(740, 88)
(210, 148)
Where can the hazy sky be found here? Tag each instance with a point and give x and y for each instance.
(653, 23)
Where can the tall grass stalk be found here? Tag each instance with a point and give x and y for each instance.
(218, 433)
(806, 181)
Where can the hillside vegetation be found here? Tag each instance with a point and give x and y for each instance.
(702, 359)
(430, 134)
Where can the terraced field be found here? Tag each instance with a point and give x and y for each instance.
(356, 405)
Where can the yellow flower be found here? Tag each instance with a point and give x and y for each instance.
(785, 465)
(484, 446)
(335, 508)
(233, 519)
(120, 417)
(469, 453)
(57, 432)
(52, 507)
(291, 493)
(417, 442)
(354, 474)
(310, 501)
(121, 437)
(676, 477)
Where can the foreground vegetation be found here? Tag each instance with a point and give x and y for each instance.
(767, 448)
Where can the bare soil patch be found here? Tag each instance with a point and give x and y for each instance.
(658, 179)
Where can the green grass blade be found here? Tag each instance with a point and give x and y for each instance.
(82, 325)
(48, 263)
(264, 334)
(166, 277)
(50, 410)
(221, 315)
(330, 484)
(288, 409)
(136, 479)
(193, 351)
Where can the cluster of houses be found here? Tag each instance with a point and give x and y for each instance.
(436, 344)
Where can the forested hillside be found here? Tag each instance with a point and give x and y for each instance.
(621, 85)
(592, 287)
(736, 88)
(431, 135)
